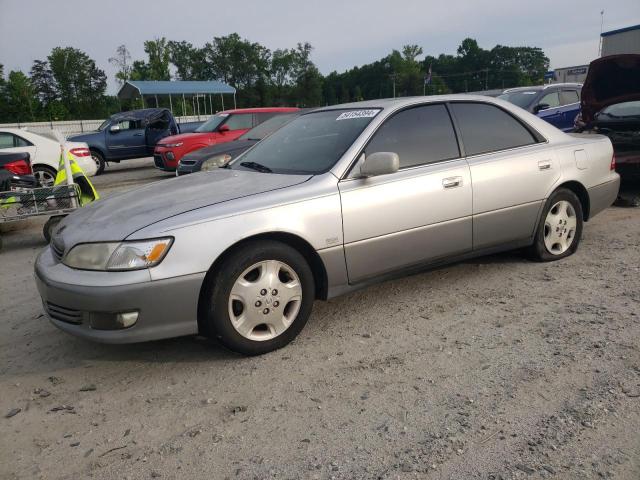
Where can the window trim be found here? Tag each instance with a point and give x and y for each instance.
(349, 170)
(537, 136)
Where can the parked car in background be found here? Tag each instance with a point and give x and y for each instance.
(556, 103)
(221, 128)
(131, 134)
(215, 156)
(336, 199)
(15, 171)
(611, 107)
(44, 153)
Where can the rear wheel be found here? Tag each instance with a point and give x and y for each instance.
(560, 227)
(259, 299)
(100, 163)
(45, 175)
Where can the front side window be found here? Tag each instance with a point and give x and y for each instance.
(550, 100)
(6, 140)
(419, 136)
(212, 124)
(311, 144)
(128, 125)
(487, 128)
(241, 121)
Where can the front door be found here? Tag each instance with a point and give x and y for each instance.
(128, 141)
(419, 214)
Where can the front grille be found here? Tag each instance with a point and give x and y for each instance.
(63, 314)
(157, 160)
(57, 251)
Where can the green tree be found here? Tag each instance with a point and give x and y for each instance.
(158, 63)
(20, 98)
(122, 61)
(187, 60)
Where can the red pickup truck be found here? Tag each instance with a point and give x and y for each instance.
(222, 127)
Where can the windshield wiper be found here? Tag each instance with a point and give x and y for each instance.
(256, 166)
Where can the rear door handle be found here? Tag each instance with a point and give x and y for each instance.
(544, 164)
(452, 182)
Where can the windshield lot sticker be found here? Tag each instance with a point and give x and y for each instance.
(357, 114)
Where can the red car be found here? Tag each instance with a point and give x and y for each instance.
(221, 128)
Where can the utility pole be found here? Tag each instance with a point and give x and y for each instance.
(486, 79)
(393, 78)
(601, 25)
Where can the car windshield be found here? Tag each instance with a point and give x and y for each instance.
(213, 123)
(310, 144)
(621, 110)
(522, 98)
(268, 126)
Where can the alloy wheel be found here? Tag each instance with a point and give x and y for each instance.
(265, 300)
(44, 177)
(560, 227)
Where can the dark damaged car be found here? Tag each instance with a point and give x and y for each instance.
(611, 107)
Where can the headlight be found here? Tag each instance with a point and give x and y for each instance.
(118, 256)
(172, 145)
(215, 162)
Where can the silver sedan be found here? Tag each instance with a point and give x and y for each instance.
(337, 199)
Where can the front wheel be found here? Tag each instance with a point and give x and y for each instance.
(560, 227)
(259, 298)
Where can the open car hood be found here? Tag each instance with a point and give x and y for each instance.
(611, 80)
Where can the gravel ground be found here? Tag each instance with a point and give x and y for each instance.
(496, 368)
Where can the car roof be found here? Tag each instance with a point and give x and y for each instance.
(260, 110)
(392, 103)
(537, 88)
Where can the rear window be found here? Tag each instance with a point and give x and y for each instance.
(521, 99)
(487, 128)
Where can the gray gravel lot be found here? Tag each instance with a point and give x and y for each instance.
(496, 368)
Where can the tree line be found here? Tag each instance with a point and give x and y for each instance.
(69, 85)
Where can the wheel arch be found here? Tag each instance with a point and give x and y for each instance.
(294, 241)
(582, 194)
(93, 148)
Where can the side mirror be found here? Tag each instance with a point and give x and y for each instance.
(540, 107)
(114, 128)
(223, 128)
(379, 163)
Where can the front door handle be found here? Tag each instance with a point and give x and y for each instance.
(452, 182)
(544, 164)
(137, 134)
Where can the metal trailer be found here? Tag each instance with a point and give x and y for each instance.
(56, 202)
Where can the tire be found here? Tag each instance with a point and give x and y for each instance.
(100, 163)
(236, 291)
(50, 226)
(45, 175)
(560, 227)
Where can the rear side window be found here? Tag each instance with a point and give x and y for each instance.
(21, 142)
(486, 128)
(6, 140)
(570, 96)
(240, 121)
(419, 136)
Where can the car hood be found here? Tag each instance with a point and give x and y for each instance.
(230, 148)
(117, 217)
(84, 137)
(610, 80)
(192, 137)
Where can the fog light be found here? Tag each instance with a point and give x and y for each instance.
(127, 319)
(112, 321)
(170, 155)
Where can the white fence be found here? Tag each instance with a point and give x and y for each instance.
(79, 126)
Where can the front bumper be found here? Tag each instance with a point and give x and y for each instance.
(184, 169)
(166, 308)
(164, 160)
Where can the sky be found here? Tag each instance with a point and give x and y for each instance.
(344, 33)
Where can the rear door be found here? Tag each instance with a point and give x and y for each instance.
(570, 100)
(129, 141)
(10, 143)
(512, 170)
(420, 213)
